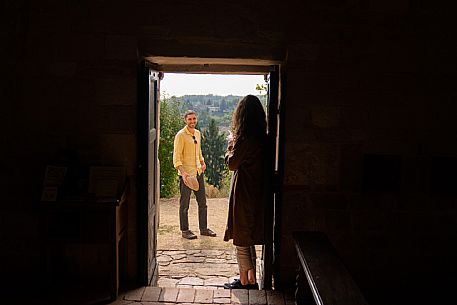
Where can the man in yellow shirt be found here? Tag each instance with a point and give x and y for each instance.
(188, 160)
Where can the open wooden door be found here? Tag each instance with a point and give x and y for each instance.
(268, 253)
(148, 173)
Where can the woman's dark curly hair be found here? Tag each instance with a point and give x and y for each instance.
(248, 119)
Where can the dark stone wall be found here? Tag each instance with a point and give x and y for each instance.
(368, 157)
(368, 119)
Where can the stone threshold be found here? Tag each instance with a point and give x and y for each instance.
(174, 295)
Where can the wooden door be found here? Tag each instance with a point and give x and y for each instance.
(268, 250)
(148, 173)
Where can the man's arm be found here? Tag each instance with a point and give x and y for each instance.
(177, 155)
(203, 164)
(202, 160)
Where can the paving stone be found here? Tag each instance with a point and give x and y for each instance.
(194, 281)
(201, 270)
(190, 252)
(134, 295)
(212, 252)
(195, 259)
(184, 286)
(174, 252)
(204, 296)
(216, 281)
(151, 294)
(215, 261)
(178, 256)
(164, 259)
(206, 287)
(239, 296)
(218, 270)
(275, 297)
(166, 282)
(186, 295)
(222, 293)
(168, 294)
(118, 302)
(257, 297)
(221, 301)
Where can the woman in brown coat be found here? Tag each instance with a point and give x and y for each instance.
(245, 156)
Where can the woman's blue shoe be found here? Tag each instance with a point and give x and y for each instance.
(236, 284)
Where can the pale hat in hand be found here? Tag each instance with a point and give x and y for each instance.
(192, 183)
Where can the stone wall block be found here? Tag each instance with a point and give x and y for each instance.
(121, 47)
(297, 53)
(312, 164)
(118, 149)
(63, 69)
(116, 119)
(111, 91)
(329, 201)
(79, 47)
(325, 117)
(370, 220)
(338, 221)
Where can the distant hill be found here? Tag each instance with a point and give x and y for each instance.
(217, 107)
(207, 107)
(211, 103)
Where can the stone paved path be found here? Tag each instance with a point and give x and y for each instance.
(206, 262)
(196, 268)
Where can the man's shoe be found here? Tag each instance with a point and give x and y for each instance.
(236, 284)
(207, 232)
(189, 234)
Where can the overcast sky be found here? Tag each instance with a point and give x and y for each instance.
(179, 84)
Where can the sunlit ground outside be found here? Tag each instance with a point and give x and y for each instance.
(205, 262)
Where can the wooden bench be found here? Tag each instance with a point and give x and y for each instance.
(322, 278)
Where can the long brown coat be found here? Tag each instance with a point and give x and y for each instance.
(245, 223)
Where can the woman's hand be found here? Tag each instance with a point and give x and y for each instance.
(229, 140)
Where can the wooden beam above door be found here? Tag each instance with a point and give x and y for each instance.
(213, 65)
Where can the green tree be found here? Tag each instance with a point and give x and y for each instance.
(186, 105)
(223, 105)
(263, 90)
(213, 148)
(203, 119)
(170, 123)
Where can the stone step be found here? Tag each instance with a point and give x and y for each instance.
(205, 295)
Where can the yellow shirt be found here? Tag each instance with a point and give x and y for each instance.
(186, 152)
